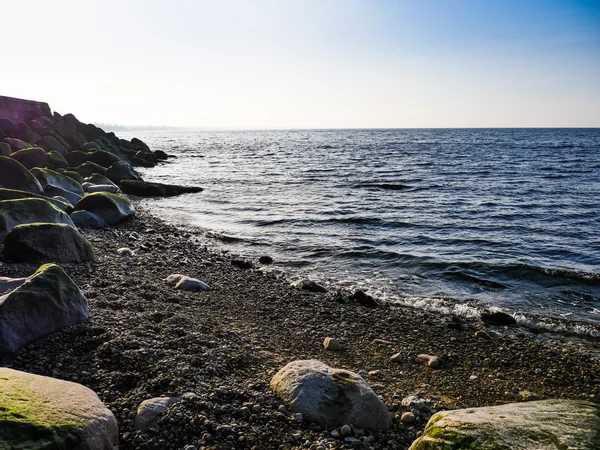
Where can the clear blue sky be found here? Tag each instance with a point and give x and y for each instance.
(308, 63)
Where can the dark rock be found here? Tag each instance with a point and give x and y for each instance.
(139, 145)
(5, 149)
(47, 242)
(242, 263)
(364, 299)
(265, 260)
(17, 144)
(103, 158)
(120, 171)
(47, 302)
(111, 207)
(57, 161)
(497, 318)
(308, 285)
(146, 189)
(31, 157)
(74, 176)
(56, 191)
(90, 147)
(50, 177)
(76, 158)
(96, 178)
(26, 134)
(8, 127)
(159, 154)
(14, 176)
(86, 219)
(29, 210)
(140, 162)
(14, 194)
(88, 168)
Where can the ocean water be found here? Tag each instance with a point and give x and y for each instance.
(449, 219)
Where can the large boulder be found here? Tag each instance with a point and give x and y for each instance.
(31, 157)
(330, 397)
(146, 189)
(14, 176)
(120, 171)
(86, 219)
(25, 133)
(540, 425)
(73, 175)
(14, 194)
(52, 145)
(46, 413)
(5, 149)
(29, 210)
(76, 158)
(17, 144)
(8, 126)
(103, 158)
(56, 191)
(50, 177)
(112, 208)
(57, 161)
(47, 302)
(47, 242)
(88, 168)
(96, 178)
(139, 144)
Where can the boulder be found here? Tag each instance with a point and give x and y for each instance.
(86, 219)
(90, 146)
(29, 210)
(56, 191)
(47, 242)
(186, 283)
(31, 157)
(96, 178)
(25, 133)
(364, 299)
(47, 302)
(497, 318)
(308, 285)
(52, 145)
(103, 158)
(14, 194)
(5, 149)
(150, 410)
(8, 284)
(8, 126)
(17, 144)
(14, 176)
(111, 207)
(330, 397)
(46, 413)
(88, 168)
(50, 177)
(40, 129)
(76, 158)
(146, 189)
(57, 161)
(139, 145)
(540, 425)
(74, 176)
(120, 171)
(102, 188)
(159, 154)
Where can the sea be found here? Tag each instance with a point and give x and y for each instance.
(451, 220)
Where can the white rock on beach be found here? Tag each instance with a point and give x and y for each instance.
(186, 283)
(150, 410)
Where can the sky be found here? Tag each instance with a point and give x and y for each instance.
(308, 63)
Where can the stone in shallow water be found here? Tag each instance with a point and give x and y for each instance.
(45, 413)
(146, 189)
(541, 425)
(329, 396)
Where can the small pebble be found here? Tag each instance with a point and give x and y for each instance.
(332, 344)
(335, 434)
(407, 417)
(346, 430)
(124, 251)
(432, 361)
(298, 417)
(482, 334)
(397, 358)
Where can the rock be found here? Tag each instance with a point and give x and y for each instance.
(29, 210)
(265, 260)
(482, 335)
(14, 176)
(76, 158)
(86, 219)
(88, 168)
(541, 425)
(47, 242)
(330, 397)
(346, 430)
(52, 145)
(186, 283)
(5, 149)
(432, 361)
(408, 418)
(46, 413)
(48, 177)
(25, 133)
(397, 358)
(497, 318)
(332, 344)
(96, 178)
(8, 284)
(8, 126)
(139, 145)
(242, 264)
(124, 251)
(150, 410)
(103, 158)
(360, 297)
(159, 154)
(55, 191)
(145, 189)
(120, 171)
(47, 302)
(102, 188)
(90, 146)
(74, 176)
(527, 396)
(31, 157)
(308, 285)
(57, 161)
(112, 208)
(17, 144)
(13, 194)
(413, 402)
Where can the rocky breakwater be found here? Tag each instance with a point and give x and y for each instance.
(57, 176)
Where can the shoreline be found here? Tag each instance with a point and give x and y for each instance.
(145, 339)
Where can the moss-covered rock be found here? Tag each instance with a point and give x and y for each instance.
(50, 414)
(329, 396)
(47, 242)
(13, 175)
(47, 302)
(76, 158)
(57, 161)
(540, 425)
(120, 171)
(88, 168)
(145, 189)
(74, 176)
(31, 157)
(56, 191)
(47, 176)
(29, 210)
(96, 178)
(14, 194)
(112, 208)
(103, 158)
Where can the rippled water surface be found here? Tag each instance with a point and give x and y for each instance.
(454, 219)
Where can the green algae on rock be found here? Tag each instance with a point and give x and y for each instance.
(15, 194)
(46, 413)
(540, 425)
(48, 301)
(112, 208)
(13, 175)
(31, 157)
(29, 210)
(50, 177)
